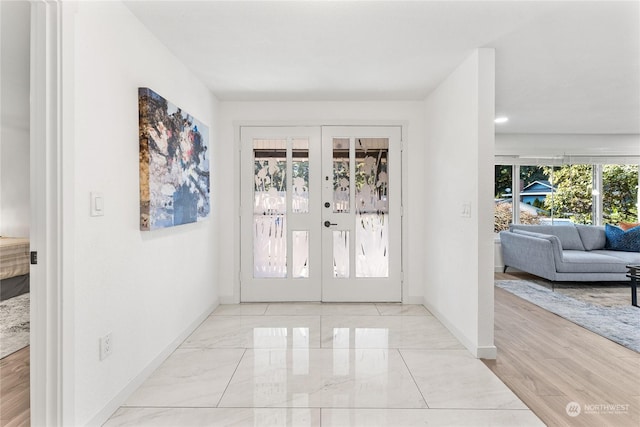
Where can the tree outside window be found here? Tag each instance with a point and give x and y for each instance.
(620, 193)
(572, 198)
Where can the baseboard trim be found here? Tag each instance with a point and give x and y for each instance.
(110, 408)
(479, 352)
(414, 300)
(228, 300)
(489, 352)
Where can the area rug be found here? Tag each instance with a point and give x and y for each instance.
(611, 294)
(620, 324)
(14, 324)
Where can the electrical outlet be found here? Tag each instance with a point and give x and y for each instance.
(106, 346)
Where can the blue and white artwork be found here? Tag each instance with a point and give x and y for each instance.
(174, 164)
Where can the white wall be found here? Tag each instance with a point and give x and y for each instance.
(14, 119)
(567, 144)
(14, 178)
(146, 288)
(459, 156)
(296, 113)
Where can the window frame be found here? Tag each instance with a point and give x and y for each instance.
(597, 163)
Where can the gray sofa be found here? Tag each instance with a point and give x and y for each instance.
(564, 253)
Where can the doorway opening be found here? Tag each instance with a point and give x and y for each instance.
(321, 213)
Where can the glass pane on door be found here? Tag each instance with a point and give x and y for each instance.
(372, 207)
(341, 184)
(269, 209)
(341, 254)
(300, 176)
(300, 254)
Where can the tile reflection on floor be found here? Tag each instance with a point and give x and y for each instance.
(305, 364)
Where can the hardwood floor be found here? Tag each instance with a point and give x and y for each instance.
(550, 362)
(547, 361)
(14, 389)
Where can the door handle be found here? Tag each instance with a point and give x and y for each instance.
(328, 224)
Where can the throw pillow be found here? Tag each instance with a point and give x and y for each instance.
(621, 240)
(628, 225)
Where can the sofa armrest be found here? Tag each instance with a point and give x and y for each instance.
(531, 252)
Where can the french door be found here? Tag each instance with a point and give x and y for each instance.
(321, 213)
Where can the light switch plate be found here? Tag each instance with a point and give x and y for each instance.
(97, 203)
(465, 212)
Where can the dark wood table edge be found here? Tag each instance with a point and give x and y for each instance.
(634, 275)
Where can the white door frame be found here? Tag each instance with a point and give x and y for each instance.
(402, 162)
(47, 387)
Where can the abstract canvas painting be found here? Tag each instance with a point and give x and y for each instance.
(174, 164)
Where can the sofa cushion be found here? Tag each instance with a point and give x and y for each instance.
(568, 234)
(593, 237)
(620, 240)
(624, 257)
(589, 262)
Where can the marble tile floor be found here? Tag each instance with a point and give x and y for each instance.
(307, 364)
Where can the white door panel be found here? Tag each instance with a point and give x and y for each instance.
(361, 179)
(280, 214)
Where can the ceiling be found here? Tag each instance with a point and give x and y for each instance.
(561, 67)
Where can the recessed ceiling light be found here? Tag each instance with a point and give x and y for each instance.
(501, 119)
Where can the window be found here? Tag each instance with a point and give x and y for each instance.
(619, 193)
(571, 197)
(594, 192)
(536, 195)
(502, 197)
